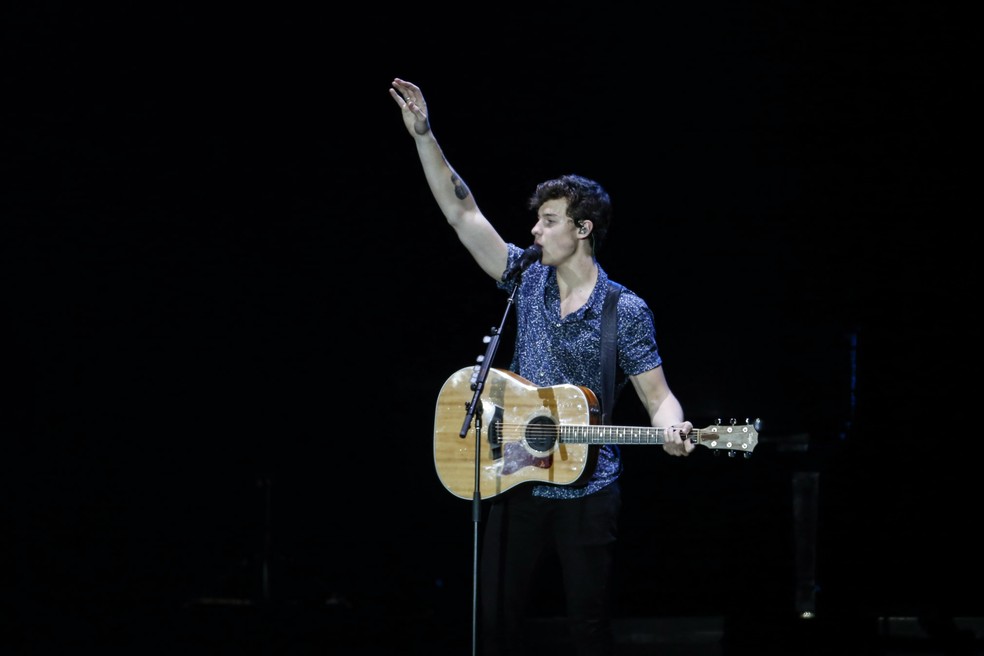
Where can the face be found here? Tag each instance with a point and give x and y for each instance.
(555, 231)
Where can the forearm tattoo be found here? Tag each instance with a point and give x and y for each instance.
(460, 188)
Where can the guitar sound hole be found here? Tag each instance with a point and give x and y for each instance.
(541, 434)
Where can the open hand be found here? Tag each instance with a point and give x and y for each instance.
(408, 96)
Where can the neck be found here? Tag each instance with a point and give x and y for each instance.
(577, 277)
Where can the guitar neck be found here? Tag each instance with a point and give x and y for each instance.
(595, 434)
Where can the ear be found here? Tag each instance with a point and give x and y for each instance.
(585, 229)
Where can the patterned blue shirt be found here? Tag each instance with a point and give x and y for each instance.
(554, 351)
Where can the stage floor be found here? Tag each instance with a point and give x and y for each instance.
(223, 626)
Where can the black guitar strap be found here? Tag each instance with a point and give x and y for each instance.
(609, 329)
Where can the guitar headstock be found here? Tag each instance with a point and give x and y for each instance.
(731, 437)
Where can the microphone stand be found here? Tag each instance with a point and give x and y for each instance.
(472, 410)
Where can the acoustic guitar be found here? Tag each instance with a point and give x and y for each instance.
(532, 434)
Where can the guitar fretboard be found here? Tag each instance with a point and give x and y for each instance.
(612, 434)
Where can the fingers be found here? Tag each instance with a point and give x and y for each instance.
(403, 85)
(677, 442)
(408, 92)
(403, 100)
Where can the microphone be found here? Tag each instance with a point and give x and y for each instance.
(529, 256)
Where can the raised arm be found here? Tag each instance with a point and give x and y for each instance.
(451, 193)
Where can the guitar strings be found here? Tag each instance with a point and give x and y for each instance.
(519, 432)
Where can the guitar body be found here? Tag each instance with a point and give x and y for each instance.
(519, 443)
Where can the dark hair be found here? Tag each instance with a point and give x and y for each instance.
(586, 200)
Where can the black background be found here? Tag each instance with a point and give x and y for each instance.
(233, 300)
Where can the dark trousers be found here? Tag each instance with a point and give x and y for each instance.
(518, 531)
